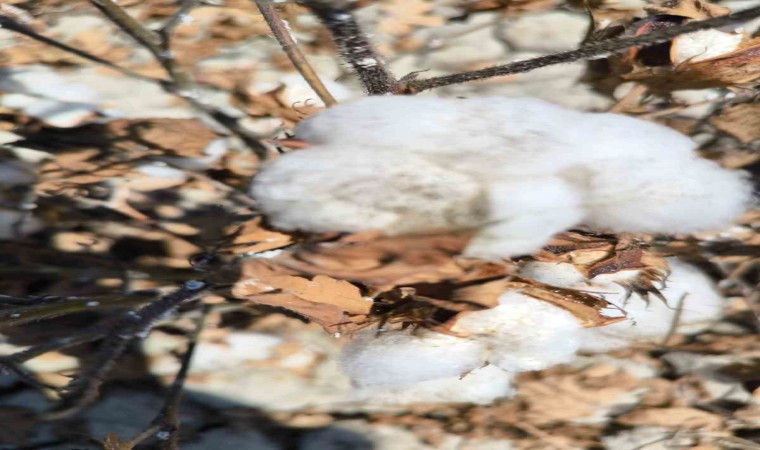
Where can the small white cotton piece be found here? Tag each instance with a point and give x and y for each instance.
(523, 333)
(665, 196)
(481, 387)
(702, 45)
(523, 216)
(320, 189)
(648, 320)
(400, 358)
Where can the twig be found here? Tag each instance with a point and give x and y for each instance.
(166, 424)
(83, 389)
(413, 86)
(10, 24)
(181, 83)
(353, 46)
(290, 47)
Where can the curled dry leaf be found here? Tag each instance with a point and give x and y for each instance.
(329, 302)
(736, 68)
(590, 310)
(594, 255)
(386, 262)
(254, 237)
(740, 121)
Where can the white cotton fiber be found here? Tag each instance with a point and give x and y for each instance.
(523, 333)
(401, 358)
(664, 196)
(523, 215)
(517, 169)
(480, 386)
(649, 320)
(320, 189)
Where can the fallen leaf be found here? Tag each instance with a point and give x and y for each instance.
(693, 9)
(322, 299)
(740, 121)
(680, 418)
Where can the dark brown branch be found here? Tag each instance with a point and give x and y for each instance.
(353, 45)
(412, 86)
(166, 424)
(289, 46)
(83, 389)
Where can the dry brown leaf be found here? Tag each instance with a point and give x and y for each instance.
(693, 9)
(740, 121)
(681, 418)
(740, 67)
(254, 237)
(594, 255)
(324, 300)
(386, 262)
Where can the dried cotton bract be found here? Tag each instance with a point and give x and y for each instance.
(517, 169)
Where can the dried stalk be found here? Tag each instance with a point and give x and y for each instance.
(166, 423)
(413, 86)
(290, 47)
(353, 45)
(83, 389)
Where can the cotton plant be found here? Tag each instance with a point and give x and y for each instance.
(517, 170)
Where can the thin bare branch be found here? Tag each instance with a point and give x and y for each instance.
(83, 389)
(181, 84)
(290, 47)
(413, 86)
(166, 424)
(7, 23)
(353, 45)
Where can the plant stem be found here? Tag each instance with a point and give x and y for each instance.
(353, 46)
(289, 46)
(413, 86)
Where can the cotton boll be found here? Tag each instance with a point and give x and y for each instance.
(481, 387)
(321, 189)
(400, 358)
(523, 333)
(702, 45)
(648, 319)
(664, 196)
(524, 214)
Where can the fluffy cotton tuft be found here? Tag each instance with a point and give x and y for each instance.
(476, 366)
(678, 195)
(523, 333)
(517, 169)
(480, 386)
(400, 358)
(322, 189)
(649, 320)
